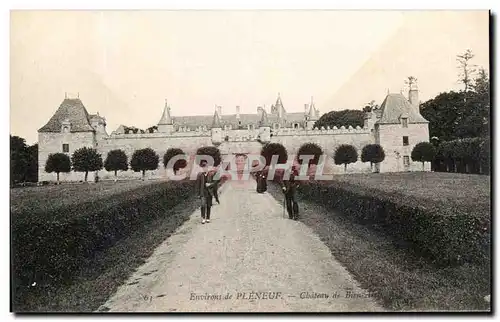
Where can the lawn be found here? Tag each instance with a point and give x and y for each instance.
(440, 187)
(57, 196)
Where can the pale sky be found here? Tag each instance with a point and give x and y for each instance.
(124, 64)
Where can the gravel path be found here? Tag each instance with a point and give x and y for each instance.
(248, 259)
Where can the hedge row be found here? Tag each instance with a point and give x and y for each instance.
(444, 232)
(50, 245)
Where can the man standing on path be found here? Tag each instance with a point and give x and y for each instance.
(215, 185)
(203, 188)
(289, 188)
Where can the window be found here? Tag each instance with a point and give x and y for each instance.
(296, 125)
(405, 140)
(406, 160)
(404, 121)
(251, 127)
(65, 148)
(66, 129)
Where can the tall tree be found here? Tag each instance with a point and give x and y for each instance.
(115, 161)
(143, 160)
(58, 162)
(466, 68)
(179, 164)
(423, 152)
(18, 159)
(341, 118)
(373, 153)
(345, 154)
(86, 159)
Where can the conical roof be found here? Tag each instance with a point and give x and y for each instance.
(166, 118)
(264, 120)
(312, 111)
(216, 123)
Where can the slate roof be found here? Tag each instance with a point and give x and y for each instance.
(396, 105)
(72, 110)
(166, 118)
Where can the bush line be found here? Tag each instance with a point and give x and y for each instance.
(448, 234)
(49, 245)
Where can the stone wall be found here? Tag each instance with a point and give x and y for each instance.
(53, 143)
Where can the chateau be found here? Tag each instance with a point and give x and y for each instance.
(397, 126)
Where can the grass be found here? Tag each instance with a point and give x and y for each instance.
(400, 279)
(57, 196)
(439, 187)
(100, 275)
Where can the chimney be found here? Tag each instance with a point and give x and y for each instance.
(413, 97)
(237, 112)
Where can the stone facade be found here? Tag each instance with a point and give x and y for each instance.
(397, 126)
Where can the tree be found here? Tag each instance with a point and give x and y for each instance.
(466, 69)
(115, 161)
(310, 149)
(58, 162)
(345, 154)
(18, 159)
(423, 152)
(32, 169)
(143, 160)
(86, 159)
(271, 149)
(373, 153)
(212, 151)
(179, 164)
(341, 118)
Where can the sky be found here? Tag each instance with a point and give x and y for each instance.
(125, 64)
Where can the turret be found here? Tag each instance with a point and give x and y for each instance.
(216, 128)
(312, 116)
(166, 124)
(264, 128)
(99, 124)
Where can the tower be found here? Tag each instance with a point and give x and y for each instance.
(312, 116)
(264, 128)
(166, 125)
(216, 128)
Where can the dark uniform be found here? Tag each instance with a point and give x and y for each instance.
(289, 188)
(215, 186)
(261, 182)
(203, 189)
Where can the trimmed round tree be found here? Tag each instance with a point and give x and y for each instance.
(345, 154)
(423, 152)
(373, 153)
(58, 162)
(271, 149)
(310, 149)
(86, 159)
(144, 160)
(172, 152)
(212, 151)
(116, 161)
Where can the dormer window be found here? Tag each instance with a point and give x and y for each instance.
(66, 126)
(251, 127)
(276, 126)
(404, 122)
(296, 125)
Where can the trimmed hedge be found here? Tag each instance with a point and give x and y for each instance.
(50, 244)
(444, 232)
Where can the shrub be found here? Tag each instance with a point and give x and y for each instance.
(86, 159)
(115, 161)
(271, 149)
(212, 151)
(447, 233)
(373, 153)
(423, 152)
(58, 162)
(49, 242)
(310, 149)
(345, 154)
(143, 160)
(172, 152)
